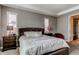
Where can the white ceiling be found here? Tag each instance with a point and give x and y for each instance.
(47, 9)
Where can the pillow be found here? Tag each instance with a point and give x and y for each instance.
(32, 34)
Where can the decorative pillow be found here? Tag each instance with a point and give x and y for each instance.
(32, 34)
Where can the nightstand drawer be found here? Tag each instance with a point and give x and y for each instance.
(9, 42)
(9, 46)
(9, 37)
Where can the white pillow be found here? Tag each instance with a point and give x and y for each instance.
(32, 34)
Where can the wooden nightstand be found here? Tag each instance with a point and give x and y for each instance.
(9, 42)
(49, 34)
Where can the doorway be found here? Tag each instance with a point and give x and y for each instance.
(74, 27)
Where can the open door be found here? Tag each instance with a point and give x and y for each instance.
(71, 28)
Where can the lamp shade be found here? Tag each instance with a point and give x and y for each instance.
(9, 27)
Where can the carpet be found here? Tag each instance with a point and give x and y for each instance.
(74, 49)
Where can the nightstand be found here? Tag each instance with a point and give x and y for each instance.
(49, 34)
(9, 42)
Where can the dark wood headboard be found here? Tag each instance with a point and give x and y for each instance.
(22, 30)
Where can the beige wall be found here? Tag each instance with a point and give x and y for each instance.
(0, 20)
(0, 15)
(26, 19)
(53, 23)
(63, 24)
(0, 25)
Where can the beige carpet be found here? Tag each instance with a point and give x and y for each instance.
(74, 49)
(10, 52)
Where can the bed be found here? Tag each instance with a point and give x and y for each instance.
(32, 46)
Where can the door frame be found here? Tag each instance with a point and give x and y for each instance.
(69, 27)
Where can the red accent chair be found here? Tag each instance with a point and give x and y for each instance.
(59, 35)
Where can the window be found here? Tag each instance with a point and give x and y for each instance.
(12, 22)
(46, 24)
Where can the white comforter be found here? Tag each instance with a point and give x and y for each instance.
(40, 45)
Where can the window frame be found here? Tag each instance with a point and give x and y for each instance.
(46, 29)
(13, 13)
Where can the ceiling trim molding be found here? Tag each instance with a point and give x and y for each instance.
(40, 11)
(69, 10)
(31, 8)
